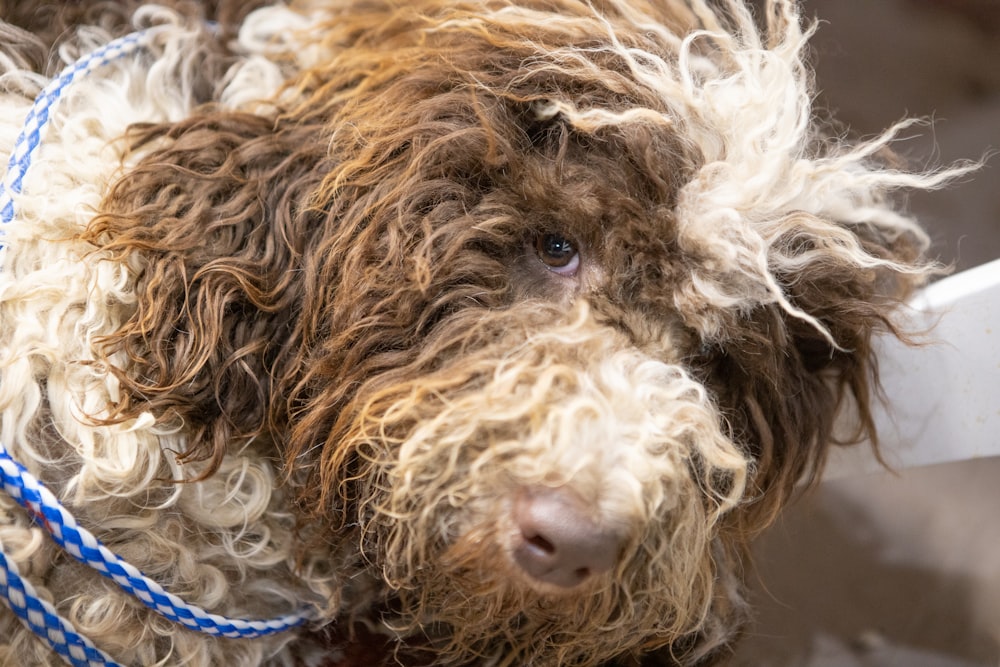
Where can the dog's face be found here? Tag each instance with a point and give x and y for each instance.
(546, 307)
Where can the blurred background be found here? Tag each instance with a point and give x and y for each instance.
(900, 570)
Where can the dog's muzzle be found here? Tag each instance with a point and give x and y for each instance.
(552, 457)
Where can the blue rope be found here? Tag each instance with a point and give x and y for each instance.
(24, 488)
(80, 543)
(30, 138)
(45, 621)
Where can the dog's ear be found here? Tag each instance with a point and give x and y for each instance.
(796, 251)
(787, 369)
(210, 226)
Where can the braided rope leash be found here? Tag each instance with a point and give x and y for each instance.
(40, 616)
(80, 543)
(43, 619)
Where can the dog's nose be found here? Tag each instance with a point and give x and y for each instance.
(560, 542)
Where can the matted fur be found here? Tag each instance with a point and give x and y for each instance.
(273, 323)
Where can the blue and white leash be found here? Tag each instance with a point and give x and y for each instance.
(43, 619)
(28, 491)
(80, 543)
(31, 134)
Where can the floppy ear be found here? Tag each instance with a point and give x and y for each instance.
(211, 226)
(856, 302)
(796, 255)
(789, 369)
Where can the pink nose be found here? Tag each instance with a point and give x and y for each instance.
(560, 542)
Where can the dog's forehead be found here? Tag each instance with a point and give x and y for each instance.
(594, 183)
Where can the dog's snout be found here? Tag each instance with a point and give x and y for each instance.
(559, 541)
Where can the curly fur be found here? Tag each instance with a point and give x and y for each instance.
(274, 327)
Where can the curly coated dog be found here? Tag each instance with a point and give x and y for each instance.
(474, 332)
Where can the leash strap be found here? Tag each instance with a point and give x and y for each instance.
(30, 138)
(80, 543)
(43, 619)
(15, 480)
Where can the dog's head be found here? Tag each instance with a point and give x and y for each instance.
(547, 306)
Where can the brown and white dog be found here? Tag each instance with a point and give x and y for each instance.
(490, 330)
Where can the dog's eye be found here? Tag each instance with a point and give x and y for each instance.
(558, 253)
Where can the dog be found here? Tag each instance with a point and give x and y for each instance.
(466, 332)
